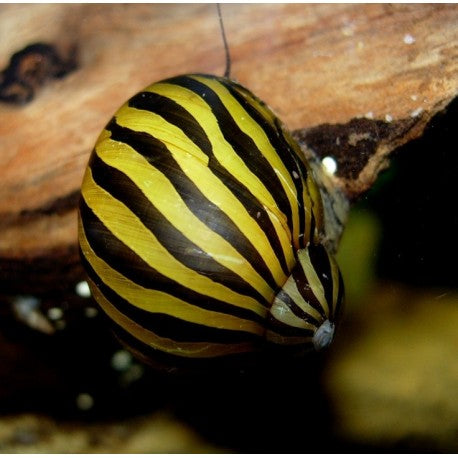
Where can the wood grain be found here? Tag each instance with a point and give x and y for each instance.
(313, 64)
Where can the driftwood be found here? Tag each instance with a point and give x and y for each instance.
(352, 81)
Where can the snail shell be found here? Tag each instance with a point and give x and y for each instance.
(200, 226)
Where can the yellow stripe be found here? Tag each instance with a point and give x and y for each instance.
(312, 277)
(312, 189)
(291, 289)
(251, 128)
(317, 204)
(159, 302)
(265, 111)
(128, 228)
(283, 313)
(228, 158)
(223, 151)
(161, 193)
(311, 186)
(186, 349)
(307, 216)
(169, 134)
(294, 145)
(183, 151)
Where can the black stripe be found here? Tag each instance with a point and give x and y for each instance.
(303, 172)
(279, 143)
(316, 229)
(175, 364)
(122, 259)
(305, 290)
(123, 189)
(242, 143)
(286, 330)
(156, 153)
(312, 226)
(322, 265)
(175, 114)
(256, 210)
(165, 325)
(286, 298)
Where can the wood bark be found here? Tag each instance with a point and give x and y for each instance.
(351, 81)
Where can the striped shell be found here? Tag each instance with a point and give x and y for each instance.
(200, 226)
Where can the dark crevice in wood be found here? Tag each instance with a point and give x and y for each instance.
(30, 68)
(58, 206)
(352, 144)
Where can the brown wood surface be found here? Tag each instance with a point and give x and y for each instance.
(313, 64)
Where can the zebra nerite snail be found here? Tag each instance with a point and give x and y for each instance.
(200, 226)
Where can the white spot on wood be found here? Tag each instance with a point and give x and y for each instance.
(348, 30)
(388, 118)
(408, 39)
(414, 97)
(82, 289)
(416, 112)
(356, 137)
(369, 115)
(330, 164)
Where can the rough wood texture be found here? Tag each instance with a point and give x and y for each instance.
(313, 64)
